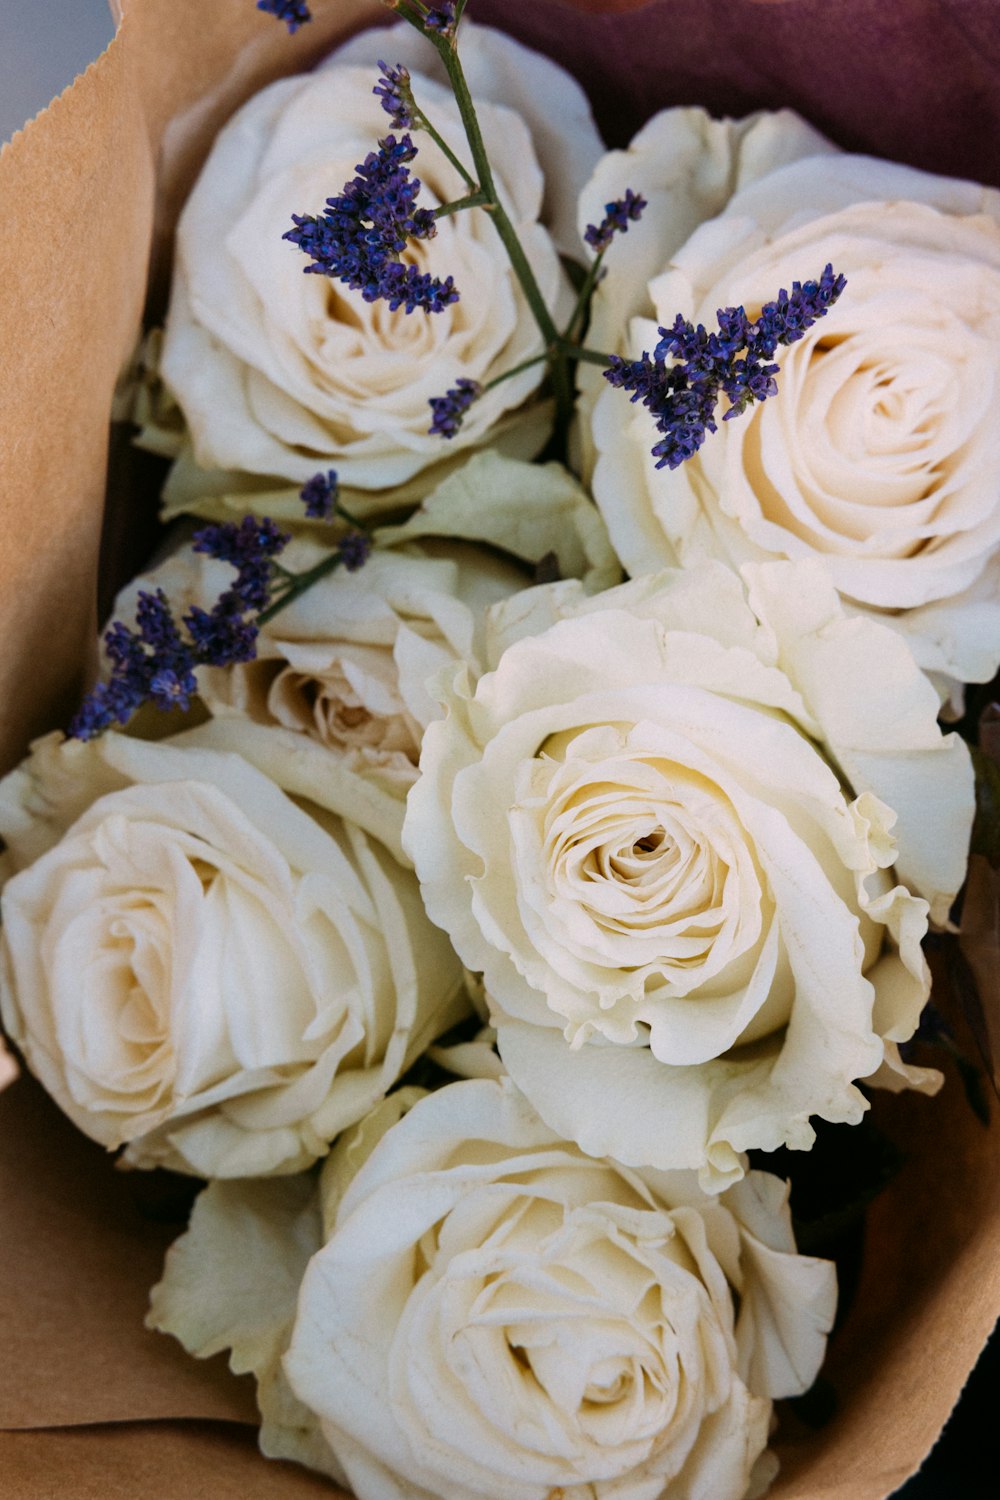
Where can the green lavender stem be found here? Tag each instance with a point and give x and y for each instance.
(456, 206)
(583, 297)
(422, 123)
(301, 582)
(448, 53)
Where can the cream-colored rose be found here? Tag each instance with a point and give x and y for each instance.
(880, 456)
(687, 921)
(687, 166)
(335, 704)
(198, 968)
(281, 374)
(489, 1312)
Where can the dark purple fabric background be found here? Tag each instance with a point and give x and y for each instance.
(914, 80)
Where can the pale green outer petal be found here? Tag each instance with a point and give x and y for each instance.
(474, 1059)
(877, 717)
(232, 1282)
(530, 510)
(787, 1300)
(227, 494)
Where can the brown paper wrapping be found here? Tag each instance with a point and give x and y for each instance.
(92, 1407)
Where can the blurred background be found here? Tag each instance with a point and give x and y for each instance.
(44, 44)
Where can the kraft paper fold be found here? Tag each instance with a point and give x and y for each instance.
(89, 193)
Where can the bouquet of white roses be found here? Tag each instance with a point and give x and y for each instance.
(556, 796)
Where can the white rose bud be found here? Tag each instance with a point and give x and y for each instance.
(199, 969)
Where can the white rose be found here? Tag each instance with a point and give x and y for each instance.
(686, 921)
(198, 969)
(490, 1312)
(687, 166)
(880, 457)
(280, 373)
(334, 705)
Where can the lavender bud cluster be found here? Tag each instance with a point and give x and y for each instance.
(155, 662)
(395, 92)
(320, 494)
(359, 239)
(447, 411)
(294, 13)
(683, 397)
(617, 216)
(441, 19)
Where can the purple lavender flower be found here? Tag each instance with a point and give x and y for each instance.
(442, 18)
(354, 550)
(617, 216)
(249, 546)
(294, 13)
(319, 495)
(358, 240)
(448, 410)
(683, 397)
(393, 88)
(155, 663)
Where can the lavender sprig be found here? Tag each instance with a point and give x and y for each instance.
(442, 19)
(155, 663)
(294, 13)
(320, 496)
(447, 411)
(617, 216)
(396, 93)
(683, 397)
(359, 239)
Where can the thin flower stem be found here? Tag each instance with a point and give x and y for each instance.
(583, 298)
(301, 582)
(346, 515)
(456, 206)
(410, 10)
(448, 53)
(578, 352)
(525, 364)
(424, 124)
(494, 207)
(504, 227)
